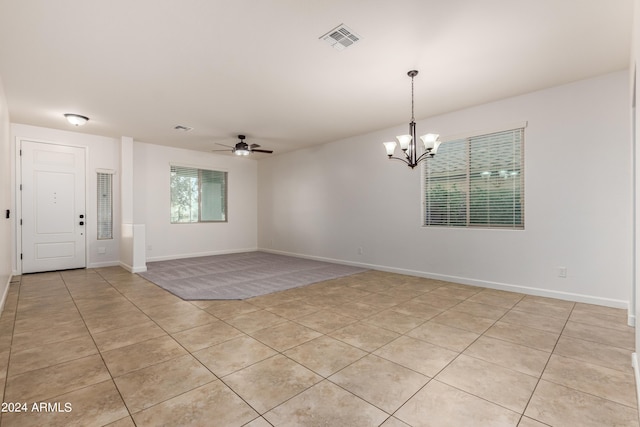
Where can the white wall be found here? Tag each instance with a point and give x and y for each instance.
(634, 94)
(5, 198)
(152, 198)
(327, 201)
(102, 153)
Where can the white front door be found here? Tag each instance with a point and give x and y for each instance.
(53, 207)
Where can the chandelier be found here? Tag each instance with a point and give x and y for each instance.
(408, 146)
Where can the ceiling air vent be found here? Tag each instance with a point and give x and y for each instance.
(341, 37)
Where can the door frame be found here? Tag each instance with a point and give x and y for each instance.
(18, 195)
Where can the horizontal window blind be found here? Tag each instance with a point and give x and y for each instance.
(477, 182)
(105, 206)
(495, 179)
(446, 185)
(213, 195)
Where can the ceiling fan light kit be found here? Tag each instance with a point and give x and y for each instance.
(408, 143)
(241, 148)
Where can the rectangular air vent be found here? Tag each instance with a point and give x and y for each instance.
(341, 37)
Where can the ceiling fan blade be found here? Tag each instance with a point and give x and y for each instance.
(225, 145)
(224, 150)
(262, 151)
(254, 145)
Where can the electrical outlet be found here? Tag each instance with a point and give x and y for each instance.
(562, 272)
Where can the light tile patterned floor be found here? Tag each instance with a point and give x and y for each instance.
(365, 350)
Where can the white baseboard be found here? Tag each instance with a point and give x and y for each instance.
(588, 299)
(199, 254)
(131, 269)
(636, 371)
(5, 293)
(104, 264)
(182, 256)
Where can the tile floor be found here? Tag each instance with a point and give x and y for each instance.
(105, 347)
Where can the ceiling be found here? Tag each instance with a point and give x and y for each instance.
(257, 67)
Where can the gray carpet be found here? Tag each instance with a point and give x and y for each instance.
(240, 276)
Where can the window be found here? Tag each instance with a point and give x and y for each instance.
(105, 206)
(477, 182)
(198, 195)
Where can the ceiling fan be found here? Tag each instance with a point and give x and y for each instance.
(242, 148)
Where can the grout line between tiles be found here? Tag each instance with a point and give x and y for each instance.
(545, 366)
(96, 344)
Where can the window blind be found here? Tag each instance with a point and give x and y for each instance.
(104, 217)
(477, 182)
(213, 195)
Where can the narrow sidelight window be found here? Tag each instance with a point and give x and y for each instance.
(105, 206)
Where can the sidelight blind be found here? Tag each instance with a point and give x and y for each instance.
(105, 206)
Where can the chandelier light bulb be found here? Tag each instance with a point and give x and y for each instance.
(404, 141)
(390, 147)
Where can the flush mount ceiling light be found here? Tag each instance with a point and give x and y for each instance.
(431, 141)
(76, 119)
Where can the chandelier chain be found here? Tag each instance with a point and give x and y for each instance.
(413, 119)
